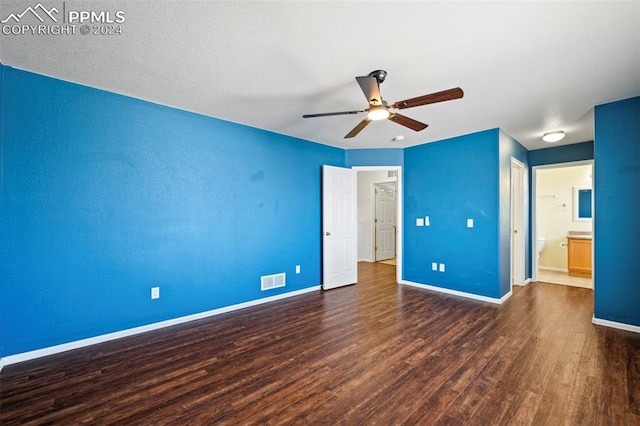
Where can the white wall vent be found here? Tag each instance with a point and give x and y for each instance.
(268, 282)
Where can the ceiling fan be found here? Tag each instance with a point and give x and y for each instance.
(379, 109)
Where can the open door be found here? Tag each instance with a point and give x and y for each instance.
(339, 227)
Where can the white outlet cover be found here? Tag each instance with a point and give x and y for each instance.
(155, 292)
(426, 221)
(419, 221)
(442, 267)
(297, 269)
(469, 223)
(434, 266)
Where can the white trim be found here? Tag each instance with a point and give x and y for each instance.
(618, 325)
(553, 269)
(458, 293)
(527, 281)
(38, 353)
(399, 210)
(504, 298)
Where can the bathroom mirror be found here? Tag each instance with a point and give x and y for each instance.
(582, 203)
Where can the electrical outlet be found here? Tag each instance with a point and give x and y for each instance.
(469, 223)
(297, 269)
(155, 292)
(434, 266)
(426, 221)
(442, 267)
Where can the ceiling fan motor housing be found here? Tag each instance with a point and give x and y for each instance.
(379, 75)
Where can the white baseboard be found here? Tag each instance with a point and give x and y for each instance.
(618, 325)
(505, 297)
(459, 293)
(553, 269)
(38, 353)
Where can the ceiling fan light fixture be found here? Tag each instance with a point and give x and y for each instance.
(378, 109)
(378, 114)
(554, 136)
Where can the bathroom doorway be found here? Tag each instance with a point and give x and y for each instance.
(562, 224)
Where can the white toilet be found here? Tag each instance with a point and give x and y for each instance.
(540, 245)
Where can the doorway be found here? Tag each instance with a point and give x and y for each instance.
(557, 194)
(371, 178)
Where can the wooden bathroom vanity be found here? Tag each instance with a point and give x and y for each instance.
(580, 255)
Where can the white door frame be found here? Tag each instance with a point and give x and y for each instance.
(518, 251)
(534, 211)
(399, 210)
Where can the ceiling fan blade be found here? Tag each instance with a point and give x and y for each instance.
(407, 122)
(328, 114)
(371, 89)
(361, 125)
(445, 95)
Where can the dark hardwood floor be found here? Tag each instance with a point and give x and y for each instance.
(373, 353)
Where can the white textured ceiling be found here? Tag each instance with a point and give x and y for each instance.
(526, 67)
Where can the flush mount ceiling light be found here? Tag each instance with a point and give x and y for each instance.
(398, 138)
(554, 136)
(380, 113)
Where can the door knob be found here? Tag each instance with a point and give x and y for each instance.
(327, 233)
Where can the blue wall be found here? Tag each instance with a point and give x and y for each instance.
(510, 148)
(617, 211)
(105, 196)
(561, 154)
(374, 157)
(451, 181)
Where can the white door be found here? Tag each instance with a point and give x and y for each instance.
(339, 227)
(517, 223)
(385, 222)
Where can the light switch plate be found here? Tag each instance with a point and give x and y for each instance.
(419, 221)
(434, 266)
(442, 267)
(155, 292)
(469, 223)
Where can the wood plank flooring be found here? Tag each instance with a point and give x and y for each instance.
(373, 353)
